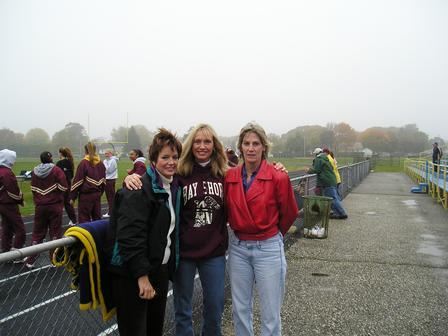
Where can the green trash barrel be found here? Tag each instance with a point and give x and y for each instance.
(317, 215)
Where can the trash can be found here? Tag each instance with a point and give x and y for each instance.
(316, 216)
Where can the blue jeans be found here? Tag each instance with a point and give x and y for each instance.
(261, 263)
(212, 274)
(336, 205)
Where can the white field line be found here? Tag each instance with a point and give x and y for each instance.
(36, 306)
(115, 326)
(25, 273)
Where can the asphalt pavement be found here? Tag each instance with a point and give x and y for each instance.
(383, 271)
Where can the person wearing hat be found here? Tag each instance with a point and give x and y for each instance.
(326, 180)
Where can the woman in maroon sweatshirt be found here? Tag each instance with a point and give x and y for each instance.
(203, 230)
(10, 198)
(137, 157)
(88, 185)
(48, 185)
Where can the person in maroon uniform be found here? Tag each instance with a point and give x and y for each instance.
(10, 198)
(88, 185)
(136, 156)
(67, 164)
(48, 185)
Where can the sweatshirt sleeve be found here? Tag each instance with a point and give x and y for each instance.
(12, 188)
(61, 180)
(132, 232)
(287, 205)
(78, 180)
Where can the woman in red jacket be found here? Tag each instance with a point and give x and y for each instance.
(261, 207)
(88, 185)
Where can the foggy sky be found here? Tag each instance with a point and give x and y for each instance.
(178, 63)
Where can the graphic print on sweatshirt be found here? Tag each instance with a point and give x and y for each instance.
(204, 194)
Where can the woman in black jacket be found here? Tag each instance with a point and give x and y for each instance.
(143, 241)
(67, 165)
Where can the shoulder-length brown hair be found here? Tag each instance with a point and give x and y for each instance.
(253, 127)
(67, 153)
(218, 160)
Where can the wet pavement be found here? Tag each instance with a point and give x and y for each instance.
(383, 271)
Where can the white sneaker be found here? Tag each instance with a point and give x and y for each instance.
(29, 266)
(106, 215)
(71, 223)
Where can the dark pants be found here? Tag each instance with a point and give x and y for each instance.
(89, 207)
(110, 194)
(46, 218)
(12, 225)
(436, 162)
(136, 316)
(69, 209)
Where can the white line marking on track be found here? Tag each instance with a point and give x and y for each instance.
(36, 306)
(25, 273)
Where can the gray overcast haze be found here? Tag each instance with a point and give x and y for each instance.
(177, 63)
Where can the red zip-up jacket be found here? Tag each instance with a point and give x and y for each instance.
(88, 179)
(268, 206)
(49, 190)
(9, 189)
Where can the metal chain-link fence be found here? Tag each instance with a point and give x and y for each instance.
(39, 301)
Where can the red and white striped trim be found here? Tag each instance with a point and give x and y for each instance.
(76, 185)
(14, 196)
(95, 182)
(48, 190)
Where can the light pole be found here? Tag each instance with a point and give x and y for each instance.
(304, 142)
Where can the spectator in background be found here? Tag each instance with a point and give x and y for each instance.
(334, 164)
(436, 155)
(10, 198)
(326, 180)
(67, 164)
(137, 157)
(48, 185)
(232, 158)
(88, 185)
(261, 207)
(143, 241)
(111, 164)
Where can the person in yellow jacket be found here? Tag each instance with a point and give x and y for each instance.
(334, 164)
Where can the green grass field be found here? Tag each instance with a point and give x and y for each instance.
(291, 164)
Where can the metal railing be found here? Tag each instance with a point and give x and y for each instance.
(431, 177)
(40, 301)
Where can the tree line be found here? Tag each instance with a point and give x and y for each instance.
(300, 141)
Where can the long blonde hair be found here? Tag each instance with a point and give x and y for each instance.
(218, 159)
(90, 149)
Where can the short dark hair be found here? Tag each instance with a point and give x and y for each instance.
(161, 139)
(46, 157)
(138, 152)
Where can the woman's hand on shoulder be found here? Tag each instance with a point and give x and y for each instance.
(280, 166)
(133, 182)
